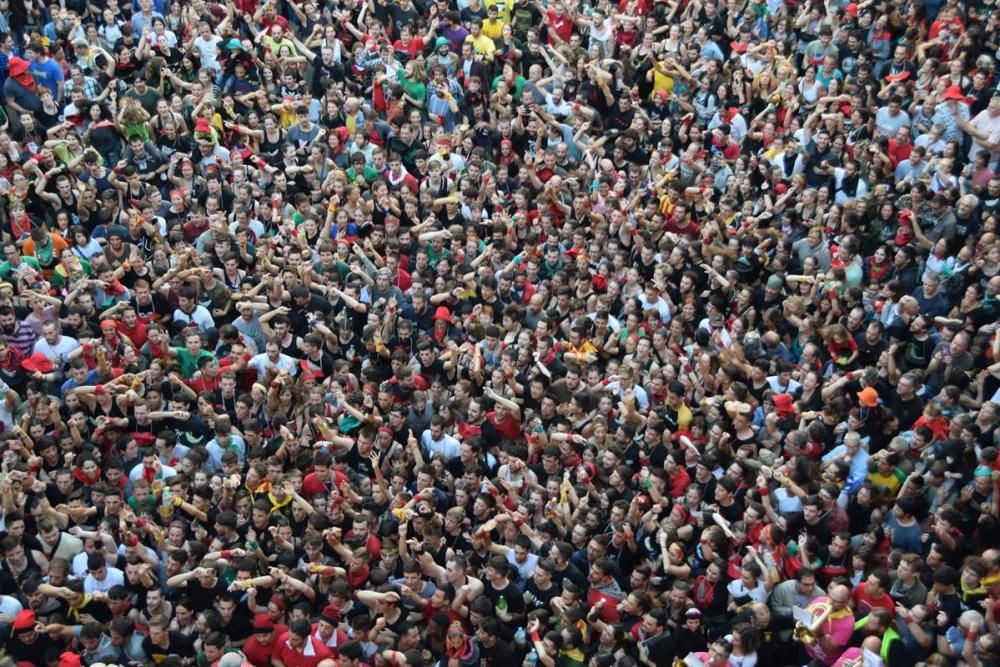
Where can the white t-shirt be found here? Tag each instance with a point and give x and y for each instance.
(208, 49)
(261, 363)
(9, 606)
(738, 590)
(114, 577)
(991, 126)
(58, 352)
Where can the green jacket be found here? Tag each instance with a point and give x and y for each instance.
(890, 636)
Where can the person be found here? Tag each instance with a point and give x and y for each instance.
(832, 624)
(401, 328)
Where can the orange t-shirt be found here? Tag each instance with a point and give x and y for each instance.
(58, 245)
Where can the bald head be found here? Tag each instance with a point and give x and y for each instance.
(840, 595)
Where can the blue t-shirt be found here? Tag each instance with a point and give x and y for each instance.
(48, 74)
(906, 538)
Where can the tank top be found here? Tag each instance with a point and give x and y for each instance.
(271, 150)
(292, 349)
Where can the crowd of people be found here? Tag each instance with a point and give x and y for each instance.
(482, 333)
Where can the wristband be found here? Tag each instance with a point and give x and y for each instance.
(534, 637)
(226, 553)
(763, 491)
(518, 521)
(141, 523)
(971, 635)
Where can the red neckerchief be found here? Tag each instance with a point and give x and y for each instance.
(79, 475)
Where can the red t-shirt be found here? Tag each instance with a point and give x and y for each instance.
(259, 655)
(312, 653)
(561, 25)
(412, 49)
(679, 482)
(509, 428)
(609, 612)
(339, 637)
(312, 484)
(373, 545)
(203, 383)
(136, 334)
(864, 603)
(467, 430)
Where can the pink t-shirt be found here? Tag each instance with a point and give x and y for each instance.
(837, 630)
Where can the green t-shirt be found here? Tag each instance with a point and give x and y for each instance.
(368, 173)
(515, 90)
(6, 269)
(148, 101)
(414, 89)
(60, 275)
(189, 362)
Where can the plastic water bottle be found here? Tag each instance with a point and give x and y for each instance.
(521, 637)
(501, 603)
(532, 658)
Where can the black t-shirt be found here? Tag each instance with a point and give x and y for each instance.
(178, 645)
(815, 177)
(906, 411)
(239, 627)
(499, 655)
(99, 610)
(298, 315)
(535, 598)
(661, 649)
(868, 353)
(202, 597)
(512, 594)
(155, 310)
(573, 573)
(33, 653)
(819, 530)
(831, 566)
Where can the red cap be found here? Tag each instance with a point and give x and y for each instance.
(17, 66)
(203, 126)
(330, 614)
(37, 363)
(25, 620)
(263, 623)
(69, 659)
(954, 93)
(442, 313)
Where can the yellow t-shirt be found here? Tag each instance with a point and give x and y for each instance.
(503, 8)
(892, 481)
(482, 45)
(493, 29)
(684, 417)
(662, 82)
(274, 46)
